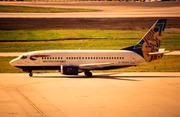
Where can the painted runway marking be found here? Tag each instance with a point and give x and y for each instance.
(30, 102)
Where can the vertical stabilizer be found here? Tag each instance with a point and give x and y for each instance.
(150, 42)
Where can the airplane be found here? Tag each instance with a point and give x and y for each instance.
(72, 62)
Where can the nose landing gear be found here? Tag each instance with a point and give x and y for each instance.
(30, 74)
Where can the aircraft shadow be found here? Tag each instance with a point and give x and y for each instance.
(106, 76)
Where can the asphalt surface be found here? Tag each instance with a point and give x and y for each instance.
(113, 16)
(103, 95)
(108, 9)
(84, 23)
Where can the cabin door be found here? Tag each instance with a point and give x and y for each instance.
(133, 58)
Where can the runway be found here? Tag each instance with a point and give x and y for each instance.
(108, 9)
(104, 95)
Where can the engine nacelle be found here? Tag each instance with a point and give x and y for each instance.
(69, 70)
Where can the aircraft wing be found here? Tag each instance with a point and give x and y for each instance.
(94, 65)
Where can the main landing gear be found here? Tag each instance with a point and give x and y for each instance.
(88, 73)
(29, 71)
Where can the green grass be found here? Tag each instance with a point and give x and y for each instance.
(84, 39)
(91, 44)
(5, 67)
(24, 9)
(166, 64)
(34, 35)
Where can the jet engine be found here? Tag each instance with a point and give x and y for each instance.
(69, 70)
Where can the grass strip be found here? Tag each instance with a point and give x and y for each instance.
(75, 39)
(25, 9)
(41, 35)
(166, 64)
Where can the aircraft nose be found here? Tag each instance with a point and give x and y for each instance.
(12, 62)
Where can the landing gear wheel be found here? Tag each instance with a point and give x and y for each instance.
(87, 73)
(30, 74)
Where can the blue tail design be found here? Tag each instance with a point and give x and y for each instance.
(150, 42)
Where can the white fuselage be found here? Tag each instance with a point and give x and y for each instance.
(46, 60)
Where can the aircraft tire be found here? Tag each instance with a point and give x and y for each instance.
(30, 74)
(88, 74)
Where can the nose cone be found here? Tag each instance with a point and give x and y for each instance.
(13, 62)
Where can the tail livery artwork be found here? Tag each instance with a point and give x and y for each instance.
(72, 62)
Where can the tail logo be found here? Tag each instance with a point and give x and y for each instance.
(152, 40)
(34, 57)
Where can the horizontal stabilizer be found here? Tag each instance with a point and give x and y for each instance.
(161, 51)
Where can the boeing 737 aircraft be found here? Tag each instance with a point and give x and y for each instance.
(72, 62)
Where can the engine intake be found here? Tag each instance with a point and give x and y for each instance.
(69, 70)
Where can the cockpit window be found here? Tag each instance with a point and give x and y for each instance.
(23, 57)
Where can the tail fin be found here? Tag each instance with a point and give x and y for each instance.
(150, 42)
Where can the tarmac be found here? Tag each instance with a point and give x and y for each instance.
(103, 95)
(138, 94)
